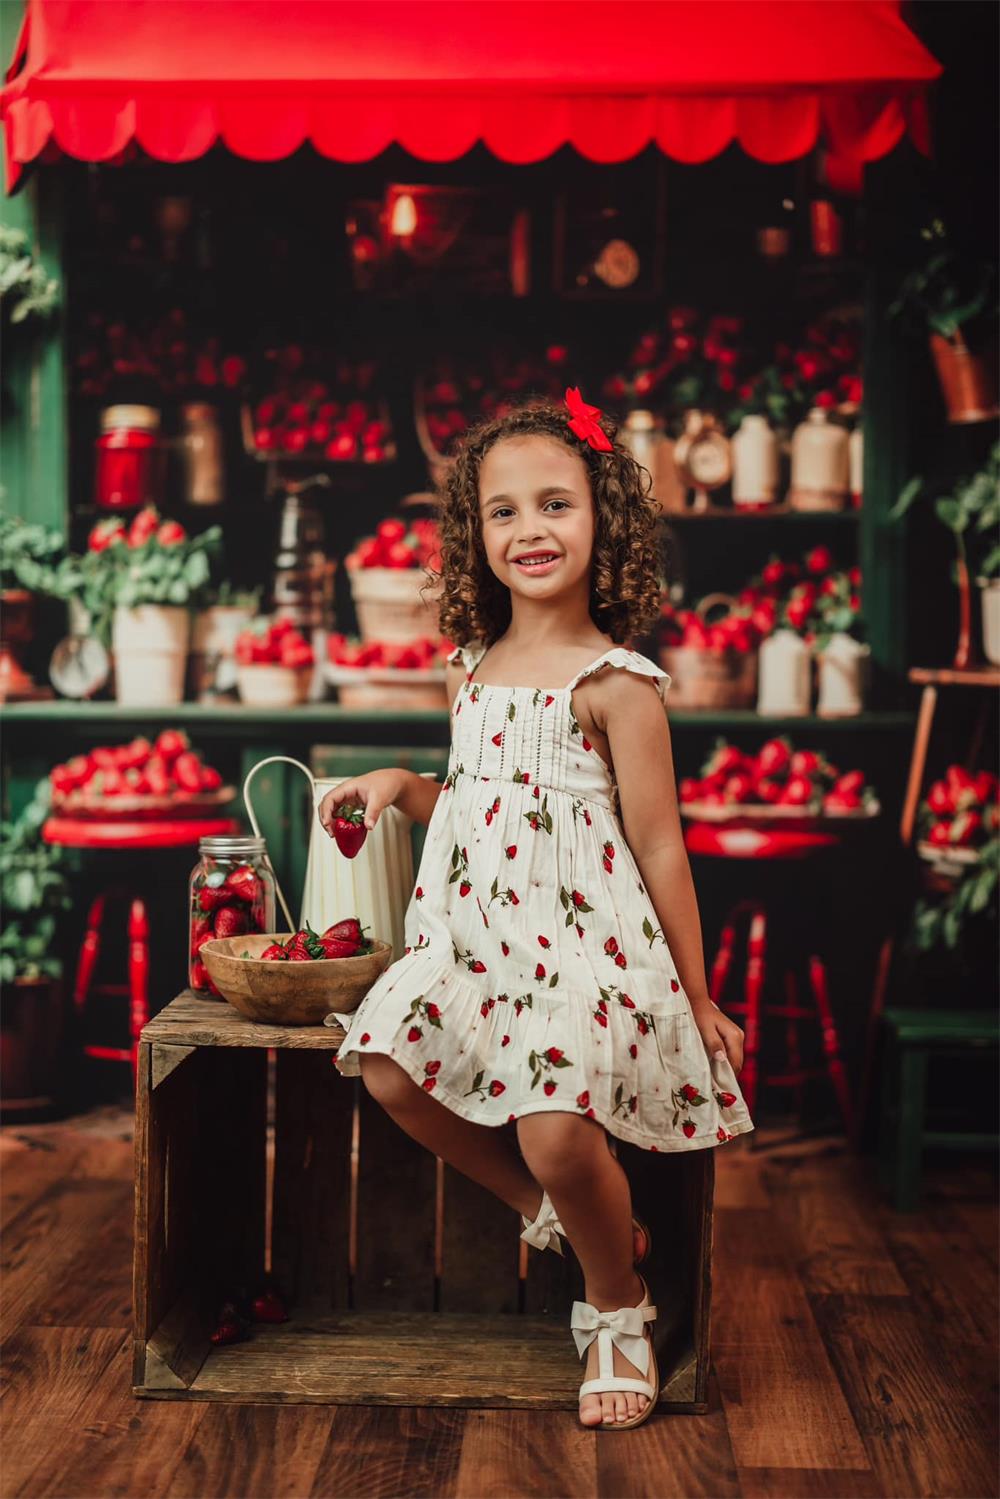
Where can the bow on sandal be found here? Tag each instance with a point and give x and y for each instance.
(624, 1330)
(545, 1230)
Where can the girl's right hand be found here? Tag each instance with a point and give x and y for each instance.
(374, 791)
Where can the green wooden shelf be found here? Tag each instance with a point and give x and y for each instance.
(242, 719)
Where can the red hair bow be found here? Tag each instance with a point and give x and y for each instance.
(583, 421)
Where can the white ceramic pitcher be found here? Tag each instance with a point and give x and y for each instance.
(375, 886)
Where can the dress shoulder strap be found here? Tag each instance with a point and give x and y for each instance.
(627, 660)
(469, 654)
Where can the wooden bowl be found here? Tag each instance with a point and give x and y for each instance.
(276, 993)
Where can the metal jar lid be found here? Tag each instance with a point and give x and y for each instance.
(230, 848)
(138, 418)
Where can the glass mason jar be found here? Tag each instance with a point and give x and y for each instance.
(230, 893)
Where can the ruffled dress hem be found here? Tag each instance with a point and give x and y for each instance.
(614, 1126)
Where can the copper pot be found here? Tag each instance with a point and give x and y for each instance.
(17, 625)
(968, 380)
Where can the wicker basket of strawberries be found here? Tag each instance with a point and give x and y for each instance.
(713, 665)
(388, 673)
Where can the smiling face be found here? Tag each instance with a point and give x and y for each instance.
(534, 497)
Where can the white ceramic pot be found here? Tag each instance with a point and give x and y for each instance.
(989, 593)
(784, 676)
(842, 676)
(396, 604)
(755, 464)
(820, 464)
(213, 646)
(263, 685)
(150, 644)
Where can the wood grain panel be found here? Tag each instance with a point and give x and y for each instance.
(314, 1110)
(396, 1179)
(387, 1451)
(769, 1356)
(480, 1248)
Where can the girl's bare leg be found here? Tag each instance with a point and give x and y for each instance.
(483, 1152)
(569, 1156)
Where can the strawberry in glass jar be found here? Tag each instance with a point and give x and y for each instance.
(230, 893)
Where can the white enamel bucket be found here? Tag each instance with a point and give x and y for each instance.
(375, 886)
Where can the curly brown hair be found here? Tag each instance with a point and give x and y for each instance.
(625, 588)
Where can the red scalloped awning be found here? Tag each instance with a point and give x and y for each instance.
(524, 77)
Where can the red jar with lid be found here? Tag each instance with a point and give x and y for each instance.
(129, 458)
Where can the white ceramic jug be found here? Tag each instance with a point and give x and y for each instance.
(842, 667)
(755, 463)
(375, 886)
(784, 675)
(820, 463)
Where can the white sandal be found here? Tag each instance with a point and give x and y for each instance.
(626, 1330)
(545, 1230)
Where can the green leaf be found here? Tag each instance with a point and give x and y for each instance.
(950, 511)
(906, 499)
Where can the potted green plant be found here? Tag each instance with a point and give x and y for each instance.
(28, 557)
(954, 298)
(973, 506)
(35, 892)
(26, 290)
(956, 896)
(137, 586)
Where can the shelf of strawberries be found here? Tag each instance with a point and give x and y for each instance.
(795, 615)
(307, 402)
(316, 402)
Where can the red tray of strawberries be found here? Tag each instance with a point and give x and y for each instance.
(139, 782)
(778, 786)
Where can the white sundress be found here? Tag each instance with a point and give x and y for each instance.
(536, 977)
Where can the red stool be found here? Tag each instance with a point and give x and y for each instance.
(137, 987)
(751, 842)
(81, 833)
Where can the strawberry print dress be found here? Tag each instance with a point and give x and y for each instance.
(536, 977)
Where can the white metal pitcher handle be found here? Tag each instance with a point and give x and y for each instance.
(272, 760)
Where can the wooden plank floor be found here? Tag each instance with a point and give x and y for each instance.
(854, 1356)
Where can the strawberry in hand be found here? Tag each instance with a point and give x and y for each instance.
(350, 831)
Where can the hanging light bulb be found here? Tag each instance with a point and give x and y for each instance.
(404, 217)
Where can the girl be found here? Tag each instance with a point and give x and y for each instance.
(554, 976)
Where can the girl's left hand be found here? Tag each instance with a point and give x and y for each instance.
(722, 1037)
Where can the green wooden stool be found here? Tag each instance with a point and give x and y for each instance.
(913, 1037)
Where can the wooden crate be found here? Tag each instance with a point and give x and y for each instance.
(408, 1284)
